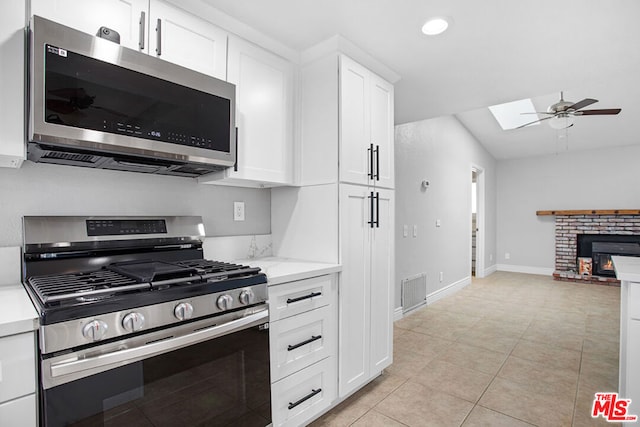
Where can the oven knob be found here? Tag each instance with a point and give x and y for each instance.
(246, 297)
(95, 330)
(183, 311)
(133, 322)
(225, 302)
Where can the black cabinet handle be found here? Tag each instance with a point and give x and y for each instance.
(377, 209)
(371, 197)
(377, 163)
(370, 153)
(309, 341)
(304, 399)
(311, 295)
(141, 35)
(159, 37)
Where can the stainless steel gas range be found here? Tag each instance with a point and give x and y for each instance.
(138, 329)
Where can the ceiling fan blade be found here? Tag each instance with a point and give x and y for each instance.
(606, 111)
(535, 121)
(581, 104)
(538, 112)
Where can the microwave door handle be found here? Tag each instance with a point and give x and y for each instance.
(141, 25)
(159, 37)
(130, 355)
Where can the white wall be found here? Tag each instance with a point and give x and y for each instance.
(598, 179)
(441, 151)
(41, 189)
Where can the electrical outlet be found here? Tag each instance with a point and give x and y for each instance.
(238, 211)
(438, 223)
(405, 230)
(507, 255)
(441, 276)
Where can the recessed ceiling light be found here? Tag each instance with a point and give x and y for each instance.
(435, 26)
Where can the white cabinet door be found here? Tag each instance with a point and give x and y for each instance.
(12, 146)
(264, 117)
(382, 298)
(355, 128)
(382, 130)
(354, 330)
(186, 40)
(17, 366)
(366, 126)
(19, 412)
(123, 16)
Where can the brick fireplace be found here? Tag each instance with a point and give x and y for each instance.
(571, 224)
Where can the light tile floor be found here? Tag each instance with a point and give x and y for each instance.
(508, 350)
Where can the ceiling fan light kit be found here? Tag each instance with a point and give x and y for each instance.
(562, 121)
(561, 114)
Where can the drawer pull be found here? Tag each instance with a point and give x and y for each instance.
(311, 295)
(310, 340)
(304, 399)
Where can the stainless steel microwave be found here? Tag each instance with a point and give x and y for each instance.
(95, 103)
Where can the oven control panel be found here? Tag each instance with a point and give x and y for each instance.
(115, 227)
(72, 333)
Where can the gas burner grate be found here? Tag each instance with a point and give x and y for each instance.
(206, 266)
(82, 286)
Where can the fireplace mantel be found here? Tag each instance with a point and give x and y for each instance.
(591, 212)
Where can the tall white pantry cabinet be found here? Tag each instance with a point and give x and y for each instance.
(346, 172)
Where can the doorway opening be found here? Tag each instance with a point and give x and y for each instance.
(477, 221)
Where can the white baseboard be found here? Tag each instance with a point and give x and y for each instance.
(525, 269)
(397, 314)
(490, 270)
(448, 290)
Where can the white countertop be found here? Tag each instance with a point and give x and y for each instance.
(17, 314)
(282, 270)
(627, 268)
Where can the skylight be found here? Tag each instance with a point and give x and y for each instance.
(509, 115)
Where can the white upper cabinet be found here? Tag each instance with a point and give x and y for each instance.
(382, 131)
(355, 138)
(127, 17)
(154, 27)
(366, 126)
(264, 117)
(187, 40)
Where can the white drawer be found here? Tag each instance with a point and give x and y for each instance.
(19, 412)
(297, 342)
(299, 397)
(297, 297)
(17, 366)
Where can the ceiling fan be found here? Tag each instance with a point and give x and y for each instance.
(562, 112)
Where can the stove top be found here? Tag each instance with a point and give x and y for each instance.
(133, 277)
(99, 270)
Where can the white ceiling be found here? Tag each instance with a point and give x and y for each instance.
(496, 51)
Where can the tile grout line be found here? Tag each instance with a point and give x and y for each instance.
(476, 403)
(575, 398)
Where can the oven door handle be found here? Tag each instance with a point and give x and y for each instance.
(121, 357)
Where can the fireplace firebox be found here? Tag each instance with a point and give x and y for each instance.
(601, 247)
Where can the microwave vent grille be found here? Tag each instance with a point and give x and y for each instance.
(72, 157)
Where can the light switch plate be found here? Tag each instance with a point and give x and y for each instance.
(405, 230)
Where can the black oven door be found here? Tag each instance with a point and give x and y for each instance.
(221, 381)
